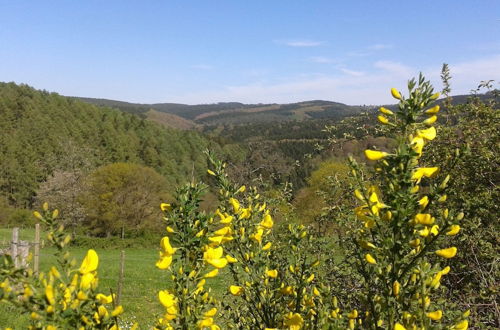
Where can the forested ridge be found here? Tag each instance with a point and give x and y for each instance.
(41, 132)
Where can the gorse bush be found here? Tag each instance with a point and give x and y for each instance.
(64, 298)
(400, 246)
(399, 243)
(271, 292)
(468, 151)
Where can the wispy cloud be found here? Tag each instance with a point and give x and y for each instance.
(358, 54)
(322, 59)
(380, 47)
(395, 68)
(369, 50)
(348, 85)
(352, 72)
(300, 43)
(202, 67)
(468, 74)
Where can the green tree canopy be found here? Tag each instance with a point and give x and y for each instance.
(123, 199)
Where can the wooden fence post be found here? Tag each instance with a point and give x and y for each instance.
(36, 257)
(13, 246)
(120, 278)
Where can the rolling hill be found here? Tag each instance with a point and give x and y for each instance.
(42, 132)
(185, 116)
(231, 112)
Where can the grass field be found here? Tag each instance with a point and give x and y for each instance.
(142, 281)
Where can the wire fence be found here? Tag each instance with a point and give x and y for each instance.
(132, 276)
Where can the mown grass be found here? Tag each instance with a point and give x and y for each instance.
(142, 281)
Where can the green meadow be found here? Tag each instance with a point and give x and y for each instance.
(142, 280)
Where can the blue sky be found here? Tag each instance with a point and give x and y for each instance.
(257, 51)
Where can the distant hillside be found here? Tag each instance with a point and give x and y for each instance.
(147, 111)
(239, 113)
(233, 112)
(169, 120)
(41, 132)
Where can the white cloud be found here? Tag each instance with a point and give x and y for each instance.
(350, 86)
(300, 43)
(352, 72)
(202, 67)
(467, 75)
(395, 68)
(358, 54)
(369, 50)
(322, 59)
(380, 47)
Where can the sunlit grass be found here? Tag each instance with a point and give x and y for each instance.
(142, 281)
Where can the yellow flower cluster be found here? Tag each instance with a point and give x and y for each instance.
(271, 295)
(400, 224)
(186, 302)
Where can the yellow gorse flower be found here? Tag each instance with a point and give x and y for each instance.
(49, 294)
(353, 314)
(212, 273)
(433, 110)
(396, 287)
(429, 134)
(165, 207)
(435, 316)
(375, 155)
(236, 290)
(272, 273)
(103, 299)
(166, 253)
(169, 301)
(235, 204)
(464, 325)
(267, 221)
(88, 280)
(258, 235)
(454, 229)
(370, 259)
(359, 195)
(383, 119)
(395, 94)
(447, 253)
(294, 321)
(90, 262)
(117, 311)
(423, 202)
(211, 312)
(431, 120)
(386, 111)
(214, 257)
(417, 144)
(267, 246)
(435, 96)
(421, 172)
(37, 215)
(424, 219)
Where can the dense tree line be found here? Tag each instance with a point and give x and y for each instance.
(42, 132)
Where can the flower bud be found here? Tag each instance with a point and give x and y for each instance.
(435, 96)
(396, 94)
